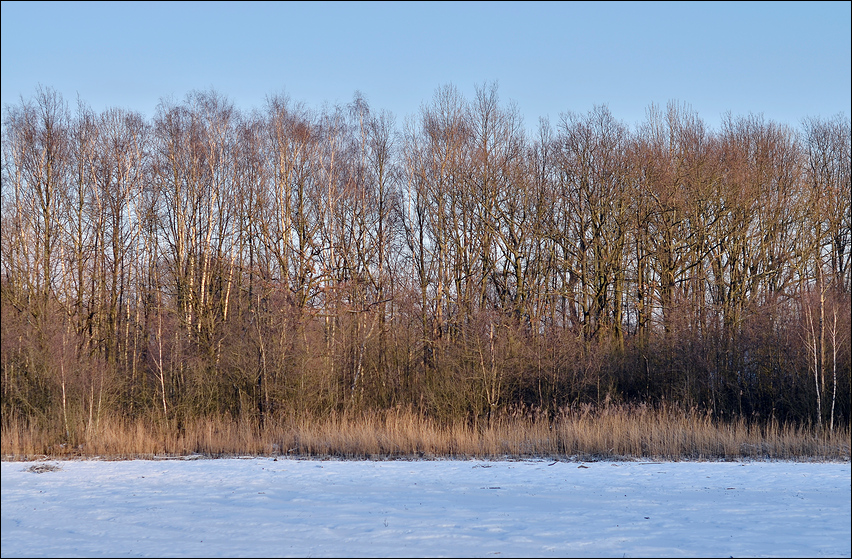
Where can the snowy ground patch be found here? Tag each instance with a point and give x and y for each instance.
(287, 507)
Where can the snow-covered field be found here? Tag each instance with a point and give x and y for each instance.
(286, 507)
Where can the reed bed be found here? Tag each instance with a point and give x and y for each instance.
(609, 433)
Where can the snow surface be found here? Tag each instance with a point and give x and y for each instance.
(534, 508)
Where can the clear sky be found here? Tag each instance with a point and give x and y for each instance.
(786, 60)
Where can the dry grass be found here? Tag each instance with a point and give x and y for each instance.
(43, 468)
(615, 432)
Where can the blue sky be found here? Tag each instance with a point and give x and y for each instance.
(786, 60)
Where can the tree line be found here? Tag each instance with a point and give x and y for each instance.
(290, 260)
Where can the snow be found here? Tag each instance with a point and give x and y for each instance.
(532, 508)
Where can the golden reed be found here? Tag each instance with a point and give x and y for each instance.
(611, 433)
